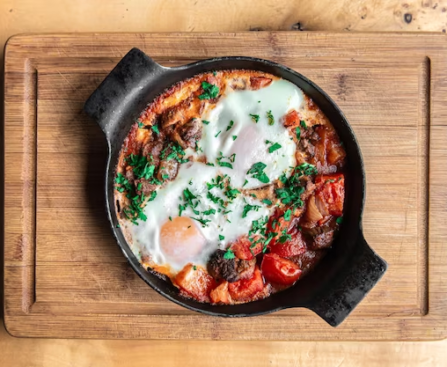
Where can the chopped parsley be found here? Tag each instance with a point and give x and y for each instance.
(274, 147)
(229, 254)
(217, 182)
(303, 124)
(194, 267)
(231, 158)
(249, 207)
(298, 133)
(306, 169)
(141, 166)
(234, 137)
(118, 226)
(141, 125)
(231, 193)
(202, 221)
(230, 125)
(245, 182)
(287, 215)
(257, 171)
(267, 201)
(217, 134)
(255, 118)
(210, 91)
(221, 238)
(170, 218)
(339, 220)
(270, 118)
(155, 129)
(205, 122)
(284, 236)
(209, 212)
(210, 164)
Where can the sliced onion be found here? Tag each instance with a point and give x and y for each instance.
(313, 215)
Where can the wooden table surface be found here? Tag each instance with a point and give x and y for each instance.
(225, 15)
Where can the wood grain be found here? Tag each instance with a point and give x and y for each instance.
(64, 275)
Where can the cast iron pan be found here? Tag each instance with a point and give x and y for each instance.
(340, 280)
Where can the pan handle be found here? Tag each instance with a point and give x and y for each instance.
(352, 286)
(122, 92)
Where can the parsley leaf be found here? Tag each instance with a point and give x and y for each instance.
(267, 201)
(234, 137)
(217, 134)
(287, 215)
(229, 254)
(249, 207)
(255, 118)
(303, 124)
(274, 147)
(339, 220)
(230, 125)
(298, 133)
(205, 122)
(155, 129)
(257, 171)
(221, 238)
(210, 91)
(270, 118)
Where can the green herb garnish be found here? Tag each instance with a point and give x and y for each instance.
(221, 238)
(217, 134)
(155, 129)
(249, 207)
(229, 254)
(270, 118)
(274, 147)
(210, 91)
(287, 215)
(339, 220)
(267, 201)
(303, 124)
(205, 122)
(255, 118)
(230, 125)
(234, 137)
(257, 171)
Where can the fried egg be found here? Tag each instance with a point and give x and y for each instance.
(242, 129)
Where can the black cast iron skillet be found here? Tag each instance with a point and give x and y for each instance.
(340, 280)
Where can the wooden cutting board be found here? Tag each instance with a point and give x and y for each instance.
(64, 274)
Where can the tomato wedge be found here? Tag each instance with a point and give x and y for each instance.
(195, 282)
(246, 289)
(244, 250)
(331, 192)
(296, 246)
(220, 294)
(278, 270)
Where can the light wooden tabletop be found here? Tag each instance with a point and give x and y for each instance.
(225, 15)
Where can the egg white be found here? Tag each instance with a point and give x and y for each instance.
(249, 147)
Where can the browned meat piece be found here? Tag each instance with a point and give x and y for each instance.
(230, 270)
(308, 260)
(168, 169)
(245, 268)
(238, 84)
(323, 240)
(220, 268)
(130, 175)
(153, 150)
(146, 187)
(258, 82)
(191, 132)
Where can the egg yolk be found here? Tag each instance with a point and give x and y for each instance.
(181, 240)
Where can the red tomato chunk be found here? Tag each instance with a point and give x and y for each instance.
(331, 193)
(278, 270)
(246, 289)
(195, 282)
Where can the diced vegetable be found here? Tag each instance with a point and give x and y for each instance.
(330, 193)
(196, 283)
(246, 289)
(278, 270)
(296, 246)
(245, 250)
(220, 294)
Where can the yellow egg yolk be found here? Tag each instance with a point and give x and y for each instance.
(181, 240)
